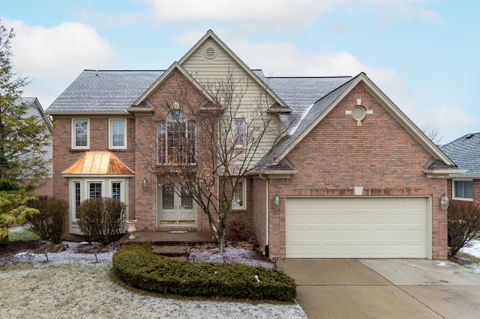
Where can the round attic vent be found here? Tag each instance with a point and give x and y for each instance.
(210, 53)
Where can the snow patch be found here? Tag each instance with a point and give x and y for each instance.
(292, 130)
(472, 248)
(231, 255)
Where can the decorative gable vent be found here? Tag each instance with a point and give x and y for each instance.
(210, 53)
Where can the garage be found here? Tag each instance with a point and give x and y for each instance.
(353, 227)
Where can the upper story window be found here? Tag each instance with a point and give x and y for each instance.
(176, 139)
(240, 196)
(240, 132)
(80, 133)
(462, 190)
(117, 138)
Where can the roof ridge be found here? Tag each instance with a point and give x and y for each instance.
(338, 87)
(124, 70)
(309, 76)
(459, 138)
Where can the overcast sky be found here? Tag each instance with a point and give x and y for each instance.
(423, 54)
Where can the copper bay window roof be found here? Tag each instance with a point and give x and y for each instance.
(98, 163)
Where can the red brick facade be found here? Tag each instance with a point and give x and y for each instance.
(337, 155)
(334, 157)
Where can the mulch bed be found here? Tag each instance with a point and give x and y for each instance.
(10, 249)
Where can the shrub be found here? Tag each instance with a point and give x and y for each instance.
(49, 221)
(138, 267)
(240, 228)
(102, 219)
(463, 224)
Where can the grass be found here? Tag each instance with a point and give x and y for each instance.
(25, 234)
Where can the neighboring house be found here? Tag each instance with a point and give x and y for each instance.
(354, 177)
(465, 151)
(45, 185)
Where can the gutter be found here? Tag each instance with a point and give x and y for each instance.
(266, 249)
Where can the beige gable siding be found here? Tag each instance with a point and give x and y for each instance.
(220, 68)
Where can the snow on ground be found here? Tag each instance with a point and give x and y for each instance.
(472, 248)
(84, 290)
(231, 255)
(69, 255)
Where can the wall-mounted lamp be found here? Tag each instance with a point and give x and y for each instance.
(144, 184)
(276, 201)
(444, 202)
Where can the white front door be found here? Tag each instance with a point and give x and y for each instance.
(175, 206)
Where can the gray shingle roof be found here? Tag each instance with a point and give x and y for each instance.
(315, 111)
(465, 152)
(104, 91)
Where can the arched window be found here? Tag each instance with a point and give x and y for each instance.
(176, 139)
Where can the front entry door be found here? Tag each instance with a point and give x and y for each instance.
(175, 206)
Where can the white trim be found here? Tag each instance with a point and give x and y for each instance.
(256, 78)
(244, 197)
(240, 146)
(467, 199)
(97, 175)
(74, 133)
(389, 105)
(163, 77)
(110, 133)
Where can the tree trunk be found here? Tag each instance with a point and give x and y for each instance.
(221, 242)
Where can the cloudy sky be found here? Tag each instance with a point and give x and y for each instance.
(423, 54)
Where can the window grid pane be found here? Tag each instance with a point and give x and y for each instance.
(186, 198)
(161, 140)
(116, 190)
(95, 190)
(168, 193)
(240, 132)
(81, 133)
(118, 133)
(238, 195)
(77, 198)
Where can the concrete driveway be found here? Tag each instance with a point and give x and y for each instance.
(384, 288)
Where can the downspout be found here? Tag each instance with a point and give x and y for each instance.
(266, 249)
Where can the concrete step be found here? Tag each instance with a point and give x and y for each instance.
(171, 251)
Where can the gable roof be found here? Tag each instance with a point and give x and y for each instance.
(98, 163)
(33, 102)
(175, 66)
(465, 152)
(320, 109)
(103, 91)
(211, 35)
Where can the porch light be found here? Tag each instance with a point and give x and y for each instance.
(444, 202)
(144, 184)
(276, 201)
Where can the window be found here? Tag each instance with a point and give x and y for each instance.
(117, 190)
(240, 196)
(80, 133)
(463, 190)
(78, 196)
(118, 134)
(95, 189)
(240, 132)
(176, 139)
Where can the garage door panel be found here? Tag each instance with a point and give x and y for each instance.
(356, 227)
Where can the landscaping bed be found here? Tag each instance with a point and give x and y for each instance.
(140, 268)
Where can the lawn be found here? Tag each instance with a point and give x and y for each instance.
(83, 289)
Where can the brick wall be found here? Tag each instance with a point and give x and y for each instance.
(64, 156)
(380, 155)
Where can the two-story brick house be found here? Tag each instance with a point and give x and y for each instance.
(351, 177)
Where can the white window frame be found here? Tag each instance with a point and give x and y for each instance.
(244, 197)
(235, 132)
(165, 136)
(454, 196)
(74, 133)
(122, 189)
(73, 197)
(110, 134)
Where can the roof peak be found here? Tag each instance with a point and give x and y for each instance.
(310, 76)
(123, 70)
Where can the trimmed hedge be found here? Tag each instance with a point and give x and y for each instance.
(139, 267)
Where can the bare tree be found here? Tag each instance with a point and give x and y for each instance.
(433, 134)
(208, 149)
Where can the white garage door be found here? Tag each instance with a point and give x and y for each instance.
(357, 227)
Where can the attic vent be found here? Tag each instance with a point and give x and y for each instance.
(210, 53)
